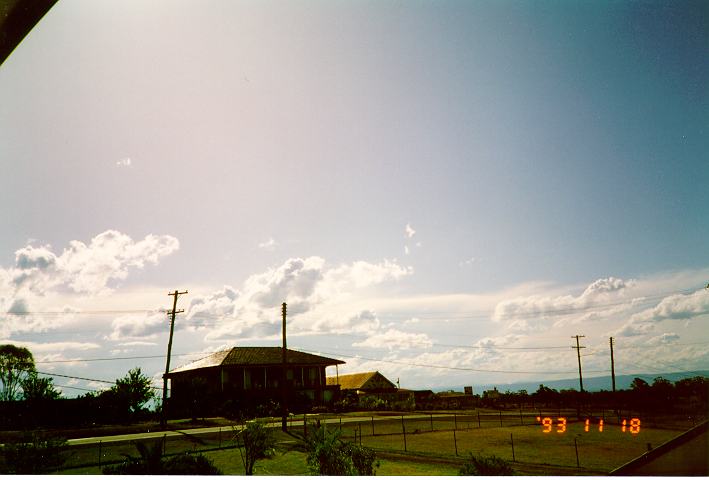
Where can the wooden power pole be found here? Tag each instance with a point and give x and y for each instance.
(284, 378)
(172, 313)
(612, 366)
(578, 353)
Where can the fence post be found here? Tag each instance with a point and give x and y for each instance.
(164, 444)
(431, 421)
(360, 435)
(372, 425)
(455, 442)
(99, 454)
(478, 418)
(305, 427)
(455, 422)
(500, 417)
(576, 448)
(220, 437)
(513, 447)
(521, 420)
(403, 429)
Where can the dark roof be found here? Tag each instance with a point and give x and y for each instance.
(256, 356)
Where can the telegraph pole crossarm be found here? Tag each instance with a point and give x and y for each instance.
(172, 313)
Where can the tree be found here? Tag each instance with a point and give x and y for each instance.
(256, 442)
(16, 363)
(134, 390)
(38, 388)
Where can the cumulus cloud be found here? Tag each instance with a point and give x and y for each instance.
(596, 293)
(677, 307)
(409, 232)
(40, 275)
(308, 285)
(88, 268)
(124, 162)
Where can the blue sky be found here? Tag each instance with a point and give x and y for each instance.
(449, 183)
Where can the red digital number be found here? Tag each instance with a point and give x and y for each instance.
(634, 426)
(561, 426)
(600, 425)
(586, 424)
(546, 423)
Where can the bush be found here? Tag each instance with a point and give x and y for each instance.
(486, 466)
(35, 453)
(256, 442)
(328, 454)
(186, 464)
(151, 462)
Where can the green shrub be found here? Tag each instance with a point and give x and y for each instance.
(186, 464)
(255, 441)
(35, 453)
(151, 462)
(328, 454)
(486, 466)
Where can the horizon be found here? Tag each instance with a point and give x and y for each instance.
(444, 192)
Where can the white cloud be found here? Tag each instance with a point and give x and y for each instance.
(406, 250)
(88, 268)
(124, 162)
(677, 307)
(395, 339)
(308, 285)
(409, 232)
(139, 327)
(597, 293)
(467, 262)
(269, 244)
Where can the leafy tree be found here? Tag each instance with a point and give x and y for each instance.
(486, 466)
(133, 390)
(16, 363)
(639, 385)
(256, 442)
(328, 454)
(38, 388)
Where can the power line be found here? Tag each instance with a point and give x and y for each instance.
(441, 315)
(442, 366)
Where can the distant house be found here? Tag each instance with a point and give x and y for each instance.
(363, 383)
(249, 376)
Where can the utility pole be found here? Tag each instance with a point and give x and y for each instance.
(612, 366)
(578, 353)
(172, 313)
(284, 389)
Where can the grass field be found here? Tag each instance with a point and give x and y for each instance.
(426, 452)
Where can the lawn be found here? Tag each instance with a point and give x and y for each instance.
(427, 452)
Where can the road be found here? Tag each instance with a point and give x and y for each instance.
(292, 423)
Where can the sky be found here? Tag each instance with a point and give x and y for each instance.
(443, 191)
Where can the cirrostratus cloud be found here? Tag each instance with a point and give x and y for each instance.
(308, 286)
